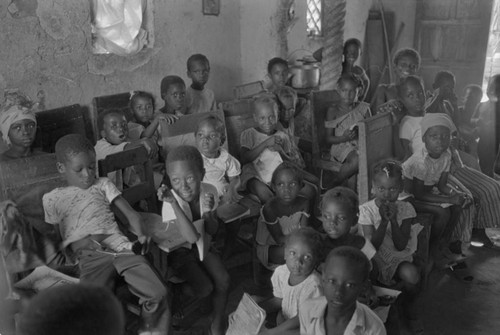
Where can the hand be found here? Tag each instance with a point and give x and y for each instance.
(392, 211)
(166, 195)
(384, 212)
(208, 202)
(143, 239)
(168, 118)
(150, 146)
(231, 195)
(458, 198)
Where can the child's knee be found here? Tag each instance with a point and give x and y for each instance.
(409, 273)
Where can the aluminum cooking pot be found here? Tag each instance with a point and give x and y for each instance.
(305, 76)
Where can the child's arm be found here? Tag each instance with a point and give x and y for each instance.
(376, 236)
(232, 194)
(401, 234)
(147, 143)
(249, 155)
(420, 193)
(134, 219)
(274, 229)
(150, 130)
(185, 226)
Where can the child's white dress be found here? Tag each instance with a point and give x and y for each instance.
(339, 152)
(388, 257)
(217, 168)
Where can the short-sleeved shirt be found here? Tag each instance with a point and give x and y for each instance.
(82, 212)
(422, 166)
(200, 101)
(216, 170)
(409, 129)
(294, 296)
(363, 322)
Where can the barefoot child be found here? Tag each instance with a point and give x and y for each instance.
(341, 131)
(89, 230)
(388, 224)
(189, 200)
(296, 281)
(199, 99)
(282, 214)
(344, 278)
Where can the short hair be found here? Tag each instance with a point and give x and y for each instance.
(104, 114)
(140, 94)
(71, 145)
(411, 79)
(474, 88)
(217, 123)
(265, 99)
(404, 52)
(287, 166)
(352, 41)
(442, 76)
(349, 77)
(275, 61)
(186, 153)
(354, 256)
(75, 309)
(168, 81)
(311, 237)
(196, 58)
(389, 168)
(286, 91)
(344, 195)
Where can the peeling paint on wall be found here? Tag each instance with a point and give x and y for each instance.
(107, 64)
(54, 19)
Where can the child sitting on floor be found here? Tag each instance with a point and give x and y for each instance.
(190, 200)
(199, 99)
(388, 224)
(341, 129)
(339, 216)
(263, 148)
(277, 71)
(221, 169)
(88, 227)
(344, 278)
(282, 214)
(296, 281)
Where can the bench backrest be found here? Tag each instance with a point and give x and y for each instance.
(239, 116)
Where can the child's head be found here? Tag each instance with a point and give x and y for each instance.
(287, 181)
(198, 69)
(73, 310)
(445, 81)
(492, 91)
(302, 251)
(406, 62)
(436, 133)
(76, 160)
(113, 126)
(142, 106)
(387, 180)
(173, 92)
(411, 93)
(184, 167)
(210, 136)
(339, 211)
(472, 96)
(18, 126)
(352, 49)
(347, 87)
(265, 114)
(345, 277)
(277, 69)
(287, 100)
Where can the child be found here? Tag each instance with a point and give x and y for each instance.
(82, 211)
(352, 49)
(113, 128)
(221, 169)
(263, 148)
(143, 123)
(282, 214)
(388, 224)
(472, 96)
(173, 92)
(443, 99)
(485, 120)
(199, 99)
(190, 200)
(426, 177)
(339, 215)
(296, 281)
(340, 123)
(73, 310)
(277, 70)
(344, 278)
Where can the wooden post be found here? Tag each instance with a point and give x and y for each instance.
(333, 34)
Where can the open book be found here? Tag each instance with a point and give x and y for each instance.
(43, 278)
(247, 319)
(231, 212)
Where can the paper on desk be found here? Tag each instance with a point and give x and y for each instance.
(247, 319)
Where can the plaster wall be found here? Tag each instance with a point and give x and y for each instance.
(48, 48)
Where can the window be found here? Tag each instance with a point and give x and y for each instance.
(313, 18)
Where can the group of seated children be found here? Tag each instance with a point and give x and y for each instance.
(316, 293)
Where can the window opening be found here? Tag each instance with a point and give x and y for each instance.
(313, 18)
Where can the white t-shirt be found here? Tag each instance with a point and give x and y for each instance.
(409, 129)
(216, 170)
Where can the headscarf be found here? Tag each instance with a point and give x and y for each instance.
(11, 115)
(436, 119)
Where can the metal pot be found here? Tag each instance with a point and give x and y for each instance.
(305, 76)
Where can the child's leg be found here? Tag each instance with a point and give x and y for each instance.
(441, 217)
(349, 167)
(410, 278)
(220, 276)
(261, 190)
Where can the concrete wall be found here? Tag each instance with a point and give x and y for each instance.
(48, 48)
